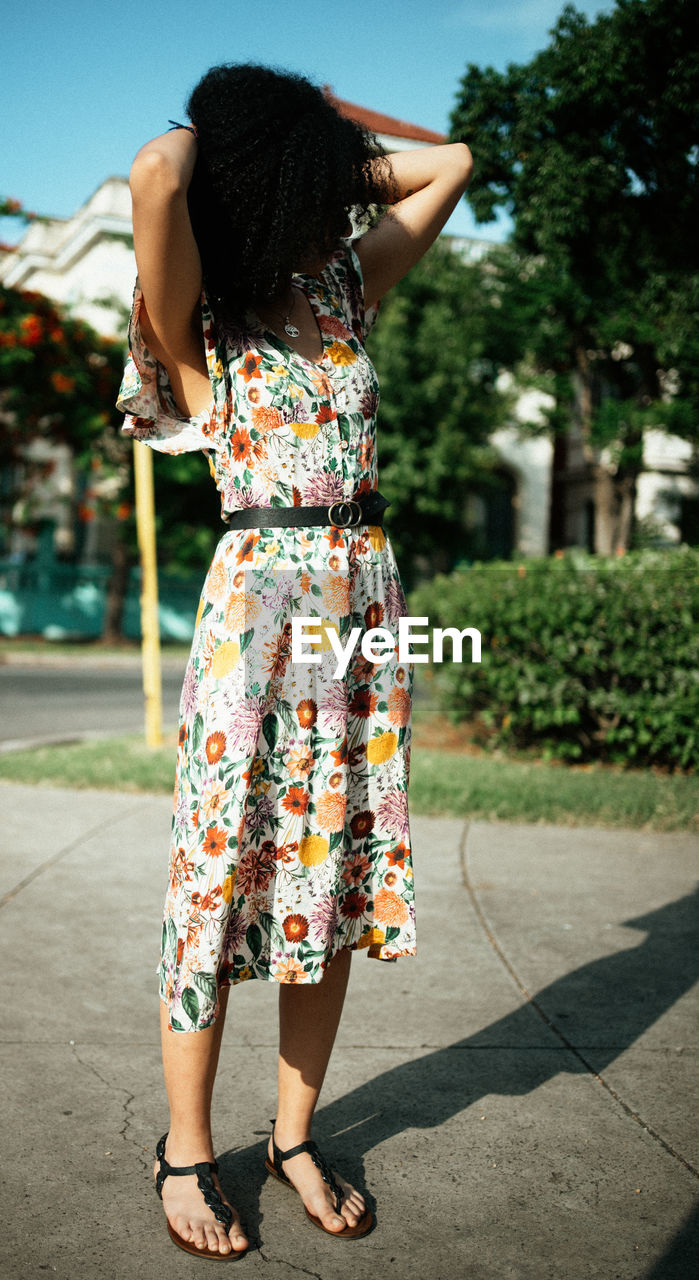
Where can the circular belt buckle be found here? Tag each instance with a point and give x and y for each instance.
(346, 517)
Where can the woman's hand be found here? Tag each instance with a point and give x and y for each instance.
(430, 182)
(169, 265)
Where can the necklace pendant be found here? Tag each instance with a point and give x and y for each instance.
(291, 330)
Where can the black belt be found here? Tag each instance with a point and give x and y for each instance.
(343, 513)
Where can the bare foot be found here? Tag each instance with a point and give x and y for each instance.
(314, 1191)
(188, 1213)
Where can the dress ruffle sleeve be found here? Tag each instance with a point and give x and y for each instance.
(346, 271)
(147, 399)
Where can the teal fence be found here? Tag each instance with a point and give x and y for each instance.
(60, 601)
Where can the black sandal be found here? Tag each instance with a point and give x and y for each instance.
(365, 1223)
(205, 1182)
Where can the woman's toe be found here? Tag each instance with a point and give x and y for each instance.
(198, 1235)
(183, 1227)
(215, 1240)
(331, 1220)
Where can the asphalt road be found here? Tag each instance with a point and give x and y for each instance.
(52, 702)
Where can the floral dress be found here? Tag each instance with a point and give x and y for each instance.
(290, 834)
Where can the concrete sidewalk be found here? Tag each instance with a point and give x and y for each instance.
(518, 1098)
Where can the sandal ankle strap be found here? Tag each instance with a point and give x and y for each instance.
(204, 1170)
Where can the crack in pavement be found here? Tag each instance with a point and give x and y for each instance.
(538, 1009)
(129, 1113)
(63, 853)
(293, 1265)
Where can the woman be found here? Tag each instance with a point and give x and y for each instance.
(291, 843)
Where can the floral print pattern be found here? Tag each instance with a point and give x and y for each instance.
(291, 835)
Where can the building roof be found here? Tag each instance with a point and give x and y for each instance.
(378, 122)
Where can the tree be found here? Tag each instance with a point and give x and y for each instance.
(57, 382)
(437, 354)
(592, 147)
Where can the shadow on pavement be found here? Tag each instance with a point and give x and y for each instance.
(608, 1004)
(681, 1261)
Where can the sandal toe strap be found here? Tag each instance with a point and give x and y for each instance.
(210, 1193)
(327, 1174)
(204, 1170)
(319, 1161)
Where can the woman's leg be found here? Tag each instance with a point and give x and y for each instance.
(189, 1066)
(308, 1021)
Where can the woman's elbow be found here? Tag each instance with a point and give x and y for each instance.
(153, 174)
(463, 162)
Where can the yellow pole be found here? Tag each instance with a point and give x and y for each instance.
(150, 629)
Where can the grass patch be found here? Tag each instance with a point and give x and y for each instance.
(446, 783)
(112, 764)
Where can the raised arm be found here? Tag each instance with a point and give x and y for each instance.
(430, 182)
(169, 266)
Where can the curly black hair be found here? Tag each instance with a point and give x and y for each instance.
(278, 170)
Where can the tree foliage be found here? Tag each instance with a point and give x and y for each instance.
(57, 379)
(437, 354)
(593, 148)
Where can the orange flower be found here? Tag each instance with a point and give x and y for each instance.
(62, 383)
(335, 591)
(299, 762)
(240, 446)
(399, 707)
(265, 419)
(289, 970)
(295, 928)
(396, 857)
(373, 615)
(215, 746)
(389, 908)
(335, 537)
(366, 453)
(330, 811)
(249, 368)
(242, 610)
(217, 581)
(296, 800)
(247, 548)
(215, 842)
(307, 713)
(356, 870)
(325, 414)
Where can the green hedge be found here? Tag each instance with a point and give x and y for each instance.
(583, 657)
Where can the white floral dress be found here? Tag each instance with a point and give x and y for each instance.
(290, 835)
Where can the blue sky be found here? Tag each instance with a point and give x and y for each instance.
(86, 82)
